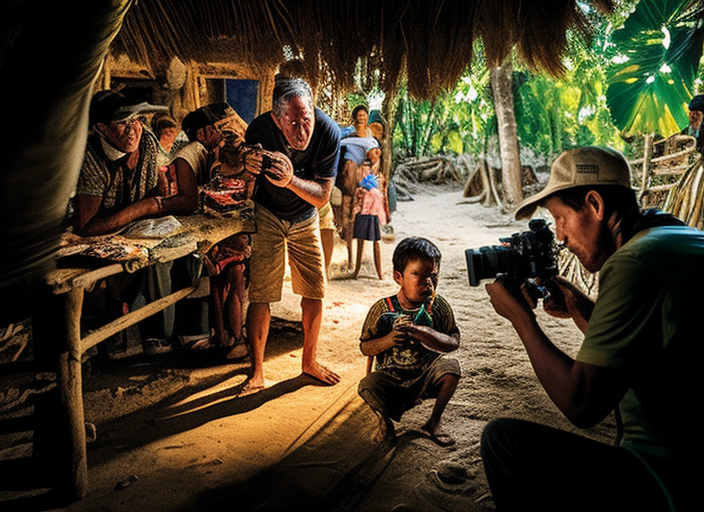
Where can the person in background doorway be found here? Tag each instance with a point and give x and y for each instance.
(170, 136)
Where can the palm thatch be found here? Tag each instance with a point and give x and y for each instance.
(52, 53)
(432, 40)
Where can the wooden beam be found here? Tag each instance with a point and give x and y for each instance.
(647, 154)
(133, 317)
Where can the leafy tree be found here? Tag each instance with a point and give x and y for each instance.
(652, 78)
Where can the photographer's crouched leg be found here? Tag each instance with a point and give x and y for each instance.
(535, 467)
(383, 394)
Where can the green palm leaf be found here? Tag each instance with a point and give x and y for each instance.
(659, 48)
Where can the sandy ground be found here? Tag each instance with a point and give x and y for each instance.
(171, 435)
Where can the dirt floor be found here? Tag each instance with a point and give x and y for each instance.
(171, 435)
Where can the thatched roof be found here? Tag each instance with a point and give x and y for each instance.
(51, 54)
(433, 40)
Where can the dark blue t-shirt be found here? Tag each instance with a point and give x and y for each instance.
(319, 160)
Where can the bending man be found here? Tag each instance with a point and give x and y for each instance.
(296, 175)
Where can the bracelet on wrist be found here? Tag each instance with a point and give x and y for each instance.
(159, 203)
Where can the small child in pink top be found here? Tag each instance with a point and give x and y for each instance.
(370, 214)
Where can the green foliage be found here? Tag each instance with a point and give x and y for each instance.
(555, 115)
(551, 115)
(598, 101)
(651, 81)
(456, 122)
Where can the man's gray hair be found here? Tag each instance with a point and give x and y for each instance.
(286, 88)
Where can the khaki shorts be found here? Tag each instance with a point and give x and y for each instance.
(326, 217)
(275, 238)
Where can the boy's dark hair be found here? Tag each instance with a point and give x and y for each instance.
(413, 248)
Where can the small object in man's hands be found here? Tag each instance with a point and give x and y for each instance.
(272, 167)
(267, 163)
(533, 292)
(556, 304)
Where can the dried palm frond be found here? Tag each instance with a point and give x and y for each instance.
(430, 41)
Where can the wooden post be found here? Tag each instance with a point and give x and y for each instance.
(647, 156)
(69, 380)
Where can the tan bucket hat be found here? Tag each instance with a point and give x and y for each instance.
(590, 165)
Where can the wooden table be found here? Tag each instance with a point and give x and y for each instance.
(198, 233)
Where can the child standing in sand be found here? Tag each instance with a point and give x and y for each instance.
(369, 216)
(409, 335)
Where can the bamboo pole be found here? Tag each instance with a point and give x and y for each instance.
(69, 381)
(647, 154)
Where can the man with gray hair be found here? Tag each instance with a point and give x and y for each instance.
(296, 172)
(640, 354)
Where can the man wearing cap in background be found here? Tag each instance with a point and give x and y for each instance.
(696, 115)
(640, 354)
(119, 183)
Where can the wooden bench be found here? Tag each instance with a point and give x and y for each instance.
(69, 285)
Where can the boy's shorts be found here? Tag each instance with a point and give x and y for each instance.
(387, 394)
(273, 240)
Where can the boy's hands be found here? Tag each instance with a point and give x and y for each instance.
(403, 330)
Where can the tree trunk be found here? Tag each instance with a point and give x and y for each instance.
(502, 89)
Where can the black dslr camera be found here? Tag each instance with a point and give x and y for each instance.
(527, 255)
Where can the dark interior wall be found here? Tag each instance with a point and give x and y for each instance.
(49, 60)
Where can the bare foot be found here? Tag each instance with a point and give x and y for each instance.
(437, 435)
(252, 386)
(322, 374)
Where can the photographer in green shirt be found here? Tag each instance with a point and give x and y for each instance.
(640, 355)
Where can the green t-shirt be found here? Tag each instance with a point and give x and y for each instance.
(647, 320)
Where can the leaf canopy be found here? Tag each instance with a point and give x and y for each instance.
(651, 83)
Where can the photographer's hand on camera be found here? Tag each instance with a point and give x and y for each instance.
(568, 301)
(509, 301)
